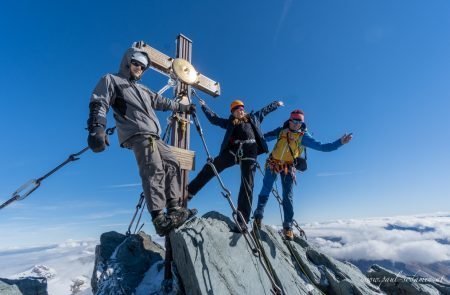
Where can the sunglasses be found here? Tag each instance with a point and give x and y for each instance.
(297, 121)
(138, 64)
(238, 108)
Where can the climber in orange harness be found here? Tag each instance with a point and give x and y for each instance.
(291, 140)
(242, 143)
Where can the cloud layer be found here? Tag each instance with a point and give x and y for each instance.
(420, 238)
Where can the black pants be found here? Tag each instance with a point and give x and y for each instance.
(225, 160)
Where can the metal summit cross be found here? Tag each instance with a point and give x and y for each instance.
(182, 76)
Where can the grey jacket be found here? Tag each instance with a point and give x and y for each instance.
(133, 104)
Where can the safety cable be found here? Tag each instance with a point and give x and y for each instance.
(294, 222)
(257, 238)
(140, 204)
(33, 184)
(297, 261)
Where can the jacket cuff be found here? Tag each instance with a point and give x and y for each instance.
(96, 121)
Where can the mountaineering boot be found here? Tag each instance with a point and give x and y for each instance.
(288, 234)
(163, 225)
(180, 215)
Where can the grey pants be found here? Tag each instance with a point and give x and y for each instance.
(159, 170)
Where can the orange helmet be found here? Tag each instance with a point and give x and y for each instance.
(235, 104)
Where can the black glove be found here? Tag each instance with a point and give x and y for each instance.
(97, 139)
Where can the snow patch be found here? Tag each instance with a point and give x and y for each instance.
(42, 271)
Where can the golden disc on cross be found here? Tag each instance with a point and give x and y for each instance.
(184, 71)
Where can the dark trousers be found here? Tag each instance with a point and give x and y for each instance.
(225, 160)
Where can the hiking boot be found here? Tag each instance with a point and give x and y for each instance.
(258, 222)
(288, 234)
(163, 225)
(180, 215)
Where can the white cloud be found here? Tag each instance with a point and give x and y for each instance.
(403, 238)
(286, 8)
(108, 214)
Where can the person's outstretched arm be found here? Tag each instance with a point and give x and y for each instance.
(213, 117)
(268, 109)
(309, 142)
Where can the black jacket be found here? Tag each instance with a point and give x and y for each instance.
(255, 120)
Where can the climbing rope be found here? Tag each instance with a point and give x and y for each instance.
(30, 186)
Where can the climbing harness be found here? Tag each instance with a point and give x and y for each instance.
(240, 151)
(236, 214)
(30, 186)
(140, 205)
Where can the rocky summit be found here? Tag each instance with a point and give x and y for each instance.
(210, 259)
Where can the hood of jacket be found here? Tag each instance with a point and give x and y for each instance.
(124, 69)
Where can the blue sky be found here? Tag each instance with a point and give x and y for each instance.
(379, 69)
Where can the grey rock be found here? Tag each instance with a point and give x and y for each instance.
(25, 286)
(212, 260)
(343, 278)
(122, 261)
(397, 283)
(7, 289)
(439, 270)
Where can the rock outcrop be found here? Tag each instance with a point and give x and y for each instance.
(23, 286)
(121, 262)
(396, 283)
(212, 260)
(7, 289)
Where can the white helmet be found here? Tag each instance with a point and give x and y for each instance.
(140, 57)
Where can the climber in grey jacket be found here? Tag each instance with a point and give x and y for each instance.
(138, 129)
